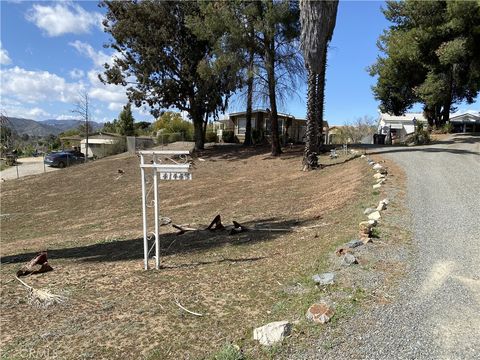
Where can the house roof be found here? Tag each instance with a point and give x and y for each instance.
(407, 117)
(468, 116)
(260, 110)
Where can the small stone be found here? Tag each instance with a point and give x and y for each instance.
(381, 181)
(375, 216)
(377, 167)
(381, 206)
(349, 259)
(354, 243)
(386, 201)
(320, 313)
(363, 156)
(367, 240)
(342, 251)
(324, 279)
(377, 186)
(368, 211)
(272, 333)
(378, 176)
(383, 171)
(365, 225)
(373, 222)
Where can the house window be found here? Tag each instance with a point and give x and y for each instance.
(242, 125)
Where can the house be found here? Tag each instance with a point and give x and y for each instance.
(103, 144)
(468, 121)
(289, 127)
(398, 127)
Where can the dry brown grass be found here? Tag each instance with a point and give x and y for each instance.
(91, 225)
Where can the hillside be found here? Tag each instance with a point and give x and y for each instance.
(32, 127)
(47, 127)
(89, 218)
(64, 125)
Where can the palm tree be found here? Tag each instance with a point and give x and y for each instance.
(318, 21)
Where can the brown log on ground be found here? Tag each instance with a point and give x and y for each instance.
(39, 264)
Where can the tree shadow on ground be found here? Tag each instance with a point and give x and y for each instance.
(421, 149)
(234, 152)
(170, 244)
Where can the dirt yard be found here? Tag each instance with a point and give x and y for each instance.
(89, 219)
(26, 166)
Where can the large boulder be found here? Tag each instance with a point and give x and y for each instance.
(272, 333)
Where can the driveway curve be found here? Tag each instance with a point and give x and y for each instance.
(436, 314)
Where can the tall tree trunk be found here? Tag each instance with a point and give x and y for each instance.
(196, 114)
(448, 99)
(248, 128)
(310, 158)
(321, 98)
(205, 124)
(270, 67)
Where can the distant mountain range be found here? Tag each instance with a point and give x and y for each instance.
(47, 127)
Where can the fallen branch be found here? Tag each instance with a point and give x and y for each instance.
(185, 309)
(183, 229)
(41, 298)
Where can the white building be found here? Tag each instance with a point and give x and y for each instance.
(398, 127)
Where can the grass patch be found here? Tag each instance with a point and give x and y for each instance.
(238, 282)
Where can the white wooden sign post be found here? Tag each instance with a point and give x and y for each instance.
(165, 166)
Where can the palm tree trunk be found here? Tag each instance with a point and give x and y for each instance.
(310, 158)
(321, 99)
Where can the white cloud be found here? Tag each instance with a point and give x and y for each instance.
(114, 95)
(18, 110)
(4, 58)
(98, 57)
(76, 74)
(34, 86)
(115, 106)
(63, 18)
(37, 112)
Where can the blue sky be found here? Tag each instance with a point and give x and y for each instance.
(52, 50)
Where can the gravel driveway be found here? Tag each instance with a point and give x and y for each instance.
(27, 166)
(436, 312)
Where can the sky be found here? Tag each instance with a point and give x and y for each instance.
(52, 51)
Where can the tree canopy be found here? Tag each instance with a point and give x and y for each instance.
(125, 122)
(162, 62)
(432, 56)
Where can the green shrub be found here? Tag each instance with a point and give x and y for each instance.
(228, 136)
(421, 135)
(447, 128)
(210, 137)
(228, 352)
(258, 136)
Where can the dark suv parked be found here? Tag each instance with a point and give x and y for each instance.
(64, 158)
